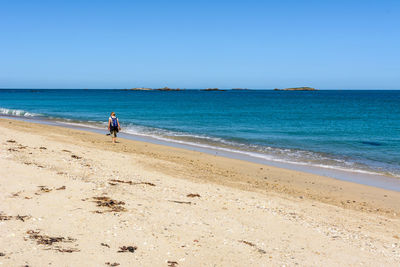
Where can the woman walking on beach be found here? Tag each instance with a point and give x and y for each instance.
(113, 126)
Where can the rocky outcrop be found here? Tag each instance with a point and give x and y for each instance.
(212, 89)
(297, 89)
(138, 89)
(151, 89)
(169, 89)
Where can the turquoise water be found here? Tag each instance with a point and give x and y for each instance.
(356, 130)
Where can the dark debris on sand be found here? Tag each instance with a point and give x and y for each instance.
(5, 217)
(130, 182)
(127, 249)
(181, 202)
(172, 263)
(49, 241)
(111, 204)
(75, 157)
(193, 195)
(44, 189)
(112, 264)
(105, 245)
(16, 194)
(22, 218)
(66, 250)
(253, 245)
(17, 148)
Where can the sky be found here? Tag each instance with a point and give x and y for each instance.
(200, 44)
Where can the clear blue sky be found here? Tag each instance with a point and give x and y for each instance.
(196, 44)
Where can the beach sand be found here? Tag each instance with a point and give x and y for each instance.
(71, 198)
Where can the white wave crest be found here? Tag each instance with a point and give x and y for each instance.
(16, 112)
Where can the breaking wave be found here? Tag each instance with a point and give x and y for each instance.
(17, 112)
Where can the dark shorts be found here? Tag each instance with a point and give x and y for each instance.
(113, 133)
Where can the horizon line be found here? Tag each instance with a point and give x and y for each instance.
(231, 89)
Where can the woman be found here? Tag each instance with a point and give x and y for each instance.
(113, 126)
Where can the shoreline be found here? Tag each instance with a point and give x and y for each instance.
(175, 205)
(252, 174)
(356, 176)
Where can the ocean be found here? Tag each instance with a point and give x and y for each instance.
(354, 130)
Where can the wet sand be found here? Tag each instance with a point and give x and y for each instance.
(71, 198)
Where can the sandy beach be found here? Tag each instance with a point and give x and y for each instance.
(71, 198)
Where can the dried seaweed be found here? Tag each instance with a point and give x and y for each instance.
(16, 194)
(5, 217)
(61, 188)
(131, 183)
(127, 249)
(67, 250)
(42, 147)
(18, 217)
(181, 202)
(253, 245)
(11, 141)
(121, 182)
(22, 218)
(105, 245)
(193, 195)
(75, 157)
(145, 183)
(47, 240)
(111, 204)
(112, 264)
(172, 263)
(44, 189)
(64, 150)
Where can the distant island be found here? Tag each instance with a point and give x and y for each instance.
(171, 89)
(297, 89)
(212, 89)
(152, 89)
(216, 89)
